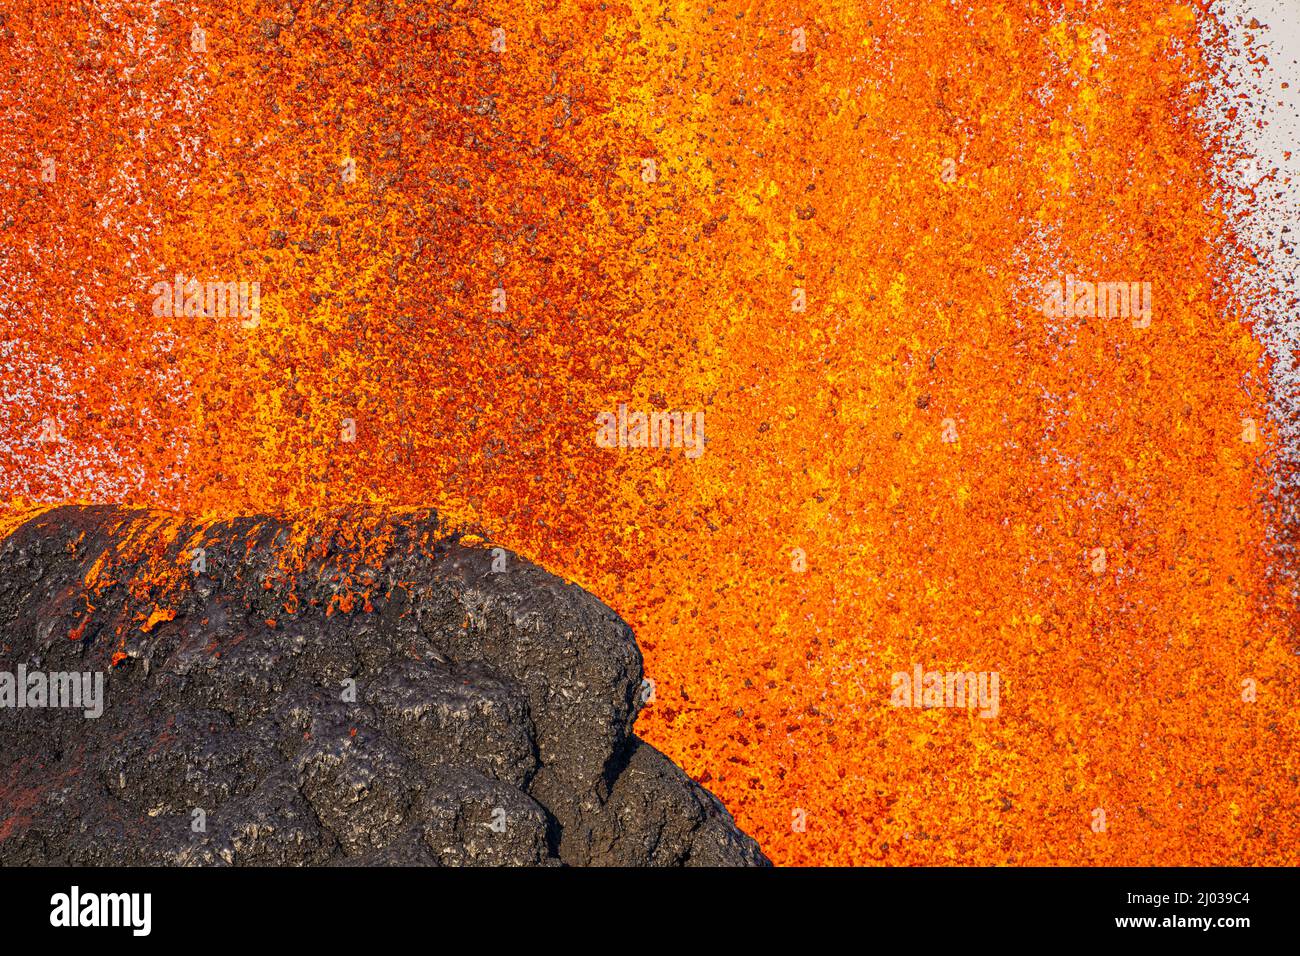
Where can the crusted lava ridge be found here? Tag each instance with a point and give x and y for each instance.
(363, 688)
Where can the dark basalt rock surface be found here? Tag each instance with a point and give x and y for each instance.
(490, 721)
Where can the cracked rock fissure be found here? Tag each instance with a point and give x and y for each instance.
(363, 689)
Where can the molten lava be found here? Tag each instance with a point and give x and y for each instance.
(825, 229)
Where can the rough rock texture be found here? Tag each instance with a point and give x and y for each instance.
(360, 689)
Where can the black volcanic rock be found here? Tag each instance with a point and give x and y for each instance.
(361, 688)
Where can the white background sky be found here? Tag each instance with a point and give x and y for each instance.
(1277, 206)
